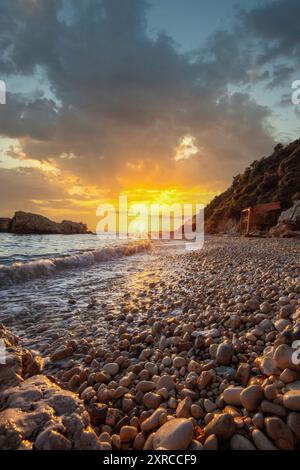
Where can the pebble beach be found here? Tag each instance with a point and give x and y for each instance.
(189, 351)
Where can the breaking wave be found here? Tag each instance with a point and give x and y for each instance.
(18, 271)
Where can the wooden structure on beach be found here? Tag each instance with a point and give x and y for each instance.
(257, 218)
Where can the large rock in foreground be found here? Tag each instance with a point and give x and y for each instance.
(40, 415)
(27, 223)
(35, 412)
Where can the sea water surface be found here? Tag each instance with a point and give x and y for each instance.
(25, 257)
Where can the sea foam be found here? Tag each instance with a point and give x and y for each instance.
(18, 271)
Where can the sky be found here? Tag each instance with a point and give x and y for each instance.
(163, 100)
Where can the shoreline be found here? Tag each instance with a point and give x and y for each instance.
(189, 351)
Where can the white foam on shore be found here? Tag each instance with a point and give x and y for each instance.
(18, 272)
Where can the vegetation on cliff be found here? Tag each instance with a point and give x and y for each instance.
(273, 178)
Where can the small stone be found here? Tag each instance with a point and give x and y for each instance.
(61, 353)
(211, 443)
(271, 408)
(128, 433)
(222, 426)
(251, 397)
(165, 381)
(145, 386)
(265, 307)
(178, 362)
(195, 445)
(270, 392)
(231, 396)
(293, 423)
(283, 357)
(151, 400)
(183, 409)
(209, 405)
(280, 433)
(288, 376)
(224, 353)
(261, 441)
(206, 377)
(154, 420)
(111, 368)
(196, 411)
(291, 400)
(243, 373)
(176, 434)
(239, 442)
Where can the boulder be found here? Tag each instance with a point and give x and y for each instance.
(40, 415)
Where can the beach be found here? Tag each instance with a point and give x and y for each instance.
(160, 350)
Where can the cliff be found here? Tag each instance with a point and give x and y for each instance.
(273, 178)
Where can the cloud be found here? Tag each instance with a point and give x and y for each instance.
(124, 100)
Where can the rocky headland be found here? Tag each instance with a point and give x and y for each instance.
(26, 223)
(198, 353)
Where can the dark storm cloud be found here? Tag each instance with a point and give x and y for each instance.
(122, 96)
(276, 24)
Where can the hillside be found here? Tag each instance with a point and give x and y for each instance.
(273, 178)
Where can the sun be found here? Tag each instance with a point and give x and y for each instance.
(140, 227)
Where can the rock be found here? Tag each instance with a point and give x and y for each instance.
(154, 420)
(280, 433)
(261, 441)
(128, 433)
(283, 357)
(291, 400)
(209, 405)
(293, 422)
(51, 439)
(165, 381)
(211, 443)
(288, 376)
(195, 445)
(271, 408)
(243, 373)
(179, 361)
(206, 377)
(183, 409)
(268, 365)
(176, 434)
(27, 223)
(111, 368)
(239, 442)
(251, 397)
(221, 425)
(97, 412)
(197, 411)
(151, 400)
(224, 353)
(40, 414)
(291, 215)
(145, 386)
(265, 307)
(5, 224)
(231, 396)
(61, 353)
